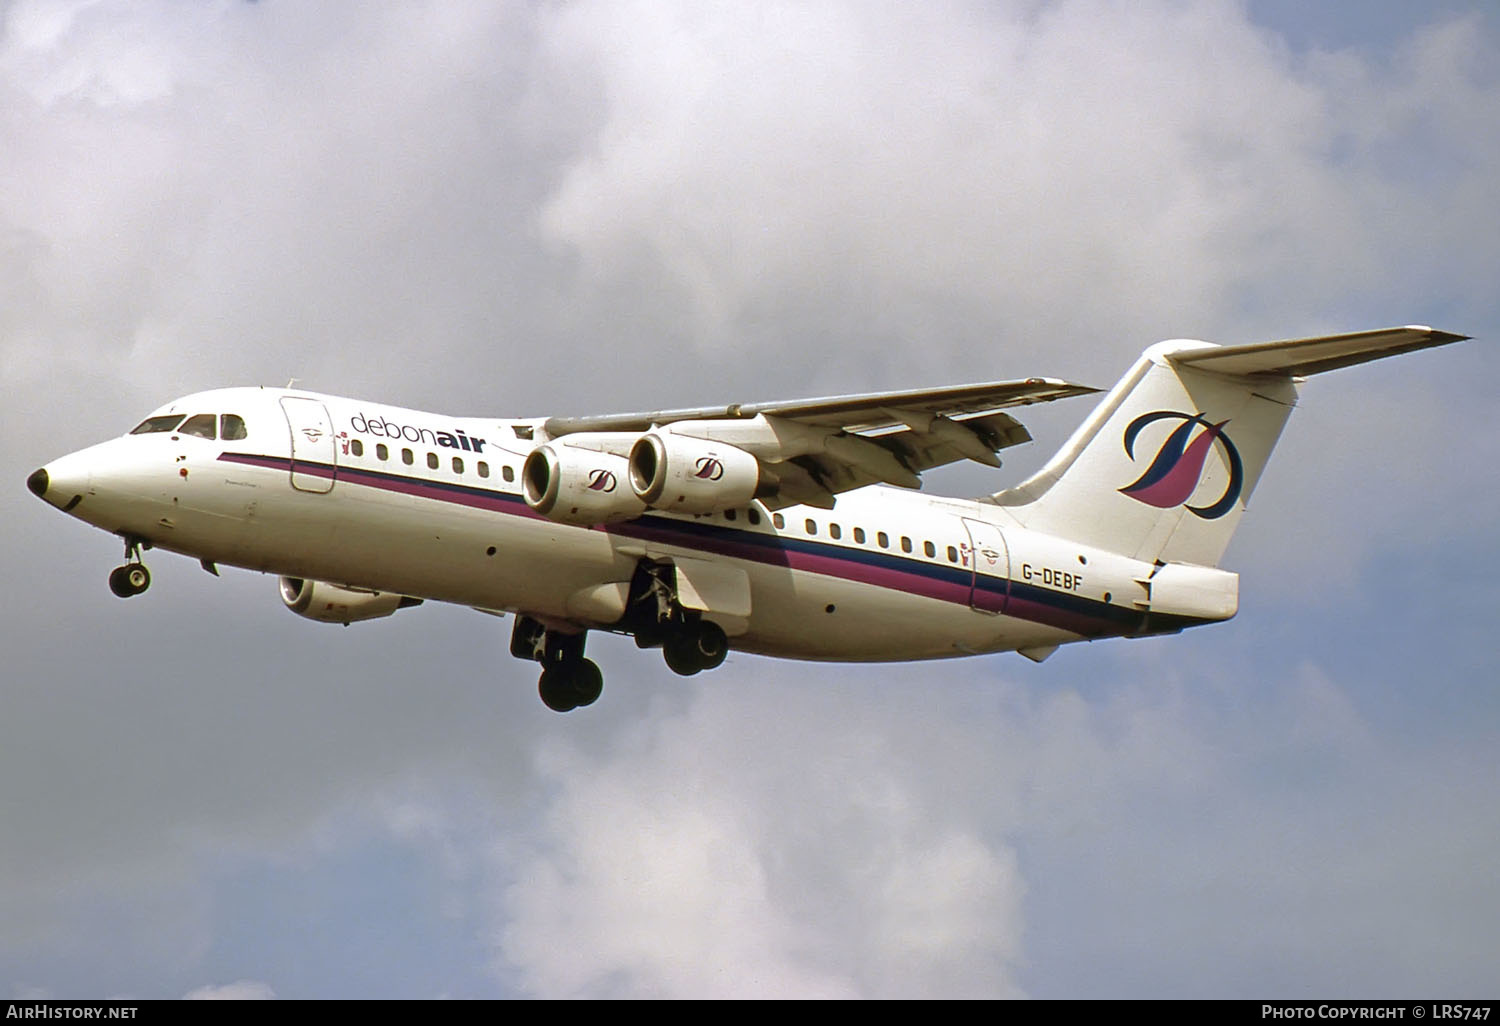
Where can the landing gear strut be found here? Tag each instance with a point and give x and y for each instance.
(689, 643)
(132, 578)
(568, 680)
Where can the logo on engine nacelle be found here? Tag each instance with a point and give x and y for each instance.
(601, 481)
(709, 468)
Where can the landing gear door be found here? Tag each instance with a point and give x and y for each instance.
(989, 560)
(722, 593)
(314, 465)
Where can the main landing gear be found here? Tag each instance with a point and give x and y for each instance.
(691, 646)
(568, 679)
(132, 578)
(689, 643)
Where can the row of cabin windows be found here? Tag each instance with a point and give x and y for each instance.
(434, 462)
(836, 532)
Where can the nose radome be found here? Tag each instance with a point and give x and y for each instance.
(38, 482)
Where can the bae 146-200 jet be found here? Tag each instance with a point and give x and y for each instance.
(790, 529)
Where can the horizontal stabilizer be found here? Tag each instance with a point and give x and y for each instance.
(1300, 357)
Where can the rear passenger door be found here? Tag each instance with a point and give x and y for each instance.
(989, 559)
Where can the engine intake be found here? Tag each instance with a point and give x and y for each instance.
(574, 485)
(330, 603)
(691, 475)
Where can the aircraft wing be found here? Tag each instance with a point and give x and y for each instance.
(888, 437)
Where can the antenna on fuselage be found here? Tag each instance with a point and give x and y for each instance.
(290, 382)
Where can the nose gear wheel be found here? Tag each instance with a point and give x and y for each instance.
(132, 578)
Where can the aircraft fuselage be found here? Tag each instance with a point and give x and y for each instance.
(430, 506)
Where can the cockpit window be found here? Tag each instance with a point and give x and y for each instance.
(156, 425)
(200, 425)
(231, 427)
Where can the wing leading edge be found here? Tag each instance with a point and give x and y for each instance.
(853, 413)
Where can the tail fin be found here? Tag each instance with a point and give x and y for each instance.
(1163, 467)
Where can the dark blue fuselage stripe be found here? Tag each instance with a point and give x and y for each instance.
(880, 569)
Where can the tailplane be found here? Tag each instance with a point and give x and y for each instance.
(1164, 466)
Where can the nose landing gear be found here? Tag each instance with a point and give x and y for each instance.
(132, 578)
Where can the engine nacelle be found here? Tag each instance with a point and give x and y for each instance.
(329, 603)
(691, 475)
(574, 485)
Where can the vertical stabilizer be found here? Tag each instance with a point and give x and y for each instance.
(1164, 466)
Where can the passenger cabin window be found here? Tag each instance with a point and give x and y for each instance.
(859, 535)
(199, 425)
(156, 425)
(484, 469)
(458, 465)
(929, 548)
(357, 447)
(882, 539)
(778, 520)
(754, 515)
(952, 554)
(231, 427)
(509, 473)
(812, 526)
(381, 452)
(834, 532)
(432, 461)
(407, 457)
(905, 543)
(730, 514)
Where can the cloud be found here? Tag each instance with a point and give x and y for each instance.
(1182, 832)
(1049, 178)
(727, 852)
(239, 990)
(596, 207)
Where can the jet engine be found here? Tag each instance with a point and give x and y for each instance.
(683, 474)
(330, 603)
(574, 485)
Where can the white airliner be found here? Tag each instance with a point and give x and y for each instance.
(768, 528)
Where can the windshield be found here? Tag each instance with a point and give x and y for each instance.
(201, 425)
(153, 425)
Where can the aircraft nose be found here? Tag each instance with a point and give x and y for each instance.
(61, 483)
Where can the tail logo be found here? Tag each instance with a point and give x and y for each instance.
(1177, 470)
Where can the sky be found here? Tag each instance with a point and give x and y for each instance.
(565, 209)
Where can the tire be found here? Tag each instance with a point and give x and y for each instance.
(588, 683)
(712, 645)
(681, 653)
(556, 689)
(118, 582)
